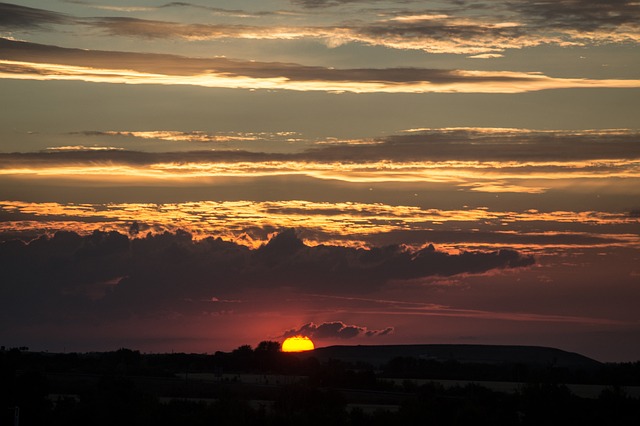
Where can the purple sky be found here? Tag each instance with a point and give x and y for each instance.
(195, 176)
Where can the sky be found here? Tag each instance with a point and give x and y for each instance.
(195, 176)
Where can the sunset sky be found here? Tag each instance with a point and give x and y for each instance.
(195, 176)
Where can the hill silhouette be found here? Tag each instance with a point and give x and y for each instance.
(480, 354)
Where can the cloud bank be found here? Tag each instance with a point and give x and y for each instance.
(70, 277)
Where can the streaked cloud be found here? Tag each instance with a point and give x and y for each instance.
(392, 308)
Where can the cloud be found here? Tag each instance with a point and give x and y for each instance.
(135, 27)
(71, 277)
(485, 29)
(24, 60)
(370, 306)
(330, 3)
(14, 16)
(469, 159)
(469, 28)
(343, 224)
(335, 329)
(442, 33)
(178, 4)
(581, 15)
(82, 148)
(238, 13)
(197, 136)
(490, 144)
(312, 4)
(457, 151)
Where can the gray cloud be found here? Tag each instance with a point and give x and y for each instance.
(582, 15)
(15, 16)
(335, 329)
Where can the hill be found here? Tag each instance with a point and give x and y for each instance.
(483, 354)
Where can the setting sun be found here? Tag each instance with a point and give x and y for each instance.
(297, 344)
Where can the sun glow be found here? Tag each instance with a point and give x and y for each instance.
(297, 344)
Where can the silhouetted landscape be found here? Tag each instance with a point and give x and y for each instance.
(338, 385)
(249, 212)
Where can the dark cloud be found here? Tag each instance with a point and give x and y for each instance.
(69, 277)
(332, 3)
(425, 145)
(485, 144)
(13, 16)
(521, 238)
(336, 329)
(582, 15)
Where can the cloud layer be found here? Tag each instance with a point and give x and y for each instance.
(471, 159)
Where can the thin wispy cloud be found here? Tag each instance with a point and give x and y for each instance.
(392, 308)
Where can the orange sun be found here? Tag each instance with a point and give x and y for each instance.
(297, 344)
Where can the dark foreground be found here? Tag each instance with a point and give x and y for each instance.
(263, 386)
